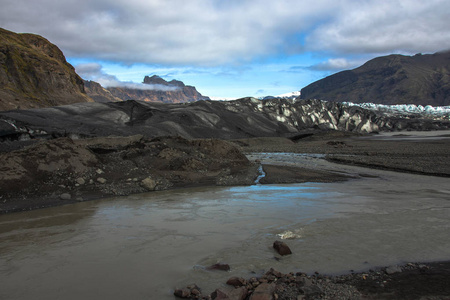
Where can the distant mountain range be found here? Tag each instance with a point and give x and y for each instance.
(34, 73)
(393, 79)
(159, 90)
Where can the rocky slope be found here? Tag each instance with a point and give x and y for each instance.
(393, 79)
(242, 118)
(159, 90)
(34, 73)
(99, 93)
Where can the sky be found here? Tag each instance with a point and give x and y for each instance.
(229, 48)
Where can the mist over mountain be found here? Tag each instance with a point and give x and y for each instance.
(34, 73)
(392, 79)
(156, 89)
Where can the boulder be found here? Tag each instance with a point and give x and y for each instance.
(264, 291)
(237, 281)
(182, 293)
(149, 184)
(219, 266)
(230, 294)
(282, 248)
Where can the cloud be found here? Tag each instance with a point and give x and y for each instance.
(94, 72)
(214, 33)
(335, 64)
(385, 26)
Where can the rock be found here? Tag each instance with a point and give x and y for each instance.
(182, 293)
(274, 273)
(65, 196)
(282, 248)
(237, 281)
(80, 181)
(233, 294)
(219, 266)
(101, 180)
(219, 294)
(99, 171)
(149, 184)
(393, 269)
(311, 291)
(303, 281)
(264, 292)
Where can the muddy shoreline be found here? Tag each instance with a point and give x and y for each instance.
(64, 171)
(412, 281)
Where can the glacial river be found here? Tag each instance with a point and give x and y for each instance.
(143, 246)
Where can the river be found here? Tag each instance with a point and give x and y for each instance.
(143, 246)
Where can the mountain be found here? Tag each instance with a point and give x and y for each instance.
(99, 93)
(243, 118)
(291, 96)
(34, 73)
(159, 90)
(393, 79)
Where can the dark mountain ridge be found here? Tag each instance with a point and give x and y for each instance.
(393, 79)
(243, 118)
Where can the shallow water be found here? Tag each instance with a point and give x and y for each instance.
(142, 246)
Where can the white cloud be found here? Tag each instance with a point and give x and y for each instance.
(212, 33)
(94, 72)
(336, 64)
(386, 26)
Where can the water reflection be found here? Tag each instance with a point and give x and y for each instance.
(141, 246)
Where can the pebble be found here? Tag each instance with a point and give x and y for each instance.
(80, 181)
(101, 180)
(65, 196)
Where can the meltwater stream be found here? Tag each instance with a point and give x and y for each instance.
(143, 246)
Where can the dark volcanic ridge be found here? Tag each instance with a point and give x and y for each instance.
(392, 79)
(244, 118)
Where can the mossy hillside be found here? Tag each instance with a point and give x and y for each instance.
(35, 73)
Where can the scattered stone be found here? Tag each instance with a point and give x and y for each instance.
(274, 273)
(101, 180)
(99, 171)
(65, 196)
(264, 292)
(393, 269)
(80, 181)
(237, 281)
(282, 248)
(311, 291)
(219, 266)
(232, 294)
(182, 293)
(303, 281)
(149, 184)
